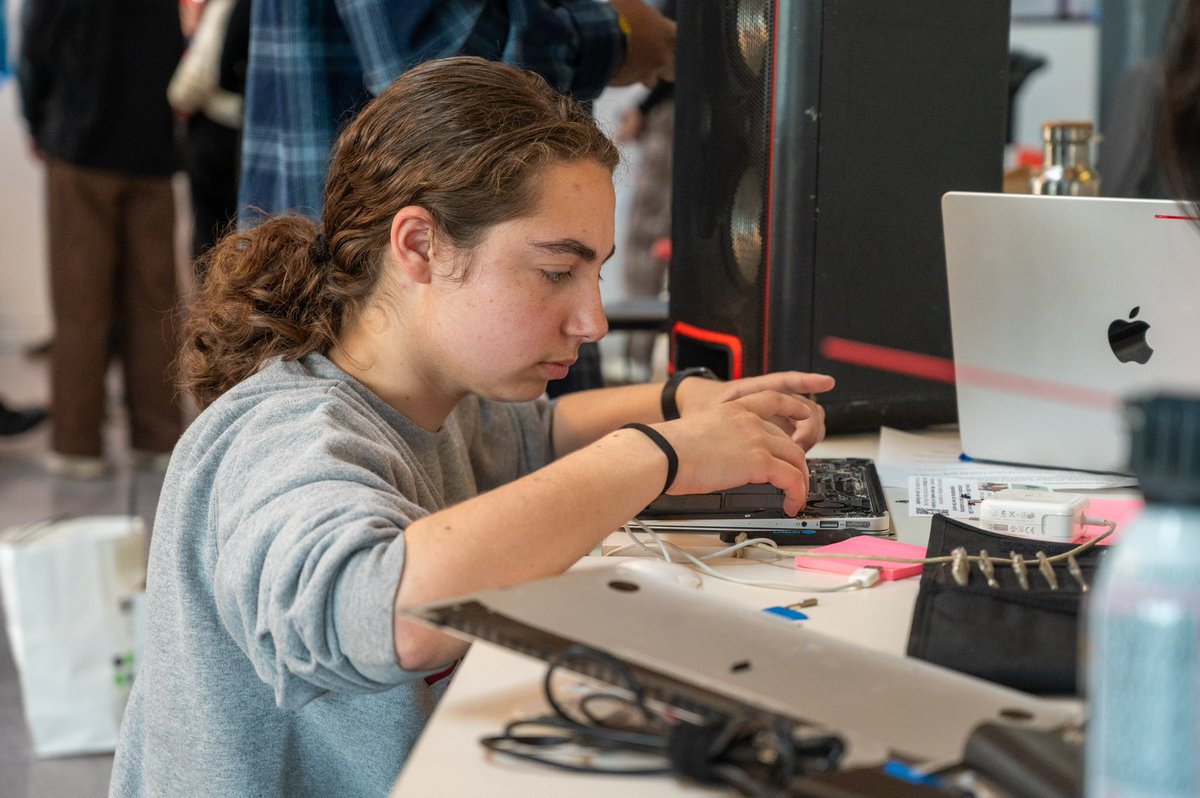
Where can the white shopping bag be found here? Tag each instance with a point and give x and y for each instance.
(72, 593)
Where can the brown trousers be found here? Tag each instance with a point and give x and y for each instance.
(112, 288)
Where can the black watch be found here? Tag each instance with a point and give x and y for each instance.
(670, 409)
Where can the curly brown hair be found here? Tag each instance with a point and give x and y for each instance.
(464, 138)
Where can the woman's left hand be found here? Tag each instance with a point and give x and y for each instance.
(696, 394)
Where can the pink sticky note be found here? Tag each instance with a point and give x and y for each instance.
(1120, 511)
(864, 544)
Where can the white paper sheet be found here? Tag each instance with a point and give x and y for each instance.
(955, 497)
(939, 454)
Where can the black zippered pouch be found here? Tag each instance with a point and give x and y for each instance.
(1027, 639)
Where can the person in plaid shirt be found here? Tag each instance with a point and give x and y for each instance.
(315, 63)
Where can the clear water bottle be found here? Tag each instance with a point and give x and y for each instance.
(1068, 169)
(1143, 622)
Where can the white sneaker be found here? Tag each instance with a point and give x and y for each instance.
(151, 462)
(77, 466)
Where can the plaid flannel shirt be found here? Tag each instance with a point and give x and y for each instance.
(315, 63)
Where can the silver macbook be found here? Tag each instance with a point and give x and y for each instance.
(707, 657)
(1061, 308)
(845, 498)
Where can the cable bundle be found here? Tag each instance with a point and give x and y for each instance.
(751, 753)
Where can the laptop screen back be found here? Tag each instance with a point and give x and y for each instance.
(1061, 308)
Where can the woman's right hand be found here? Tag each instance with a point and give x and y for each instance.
(736, 442)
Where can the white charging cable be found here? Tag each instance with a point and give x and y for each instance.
(856, 580)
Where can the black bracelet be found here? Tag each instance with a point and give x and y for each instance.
(670, 409)
(667, 449)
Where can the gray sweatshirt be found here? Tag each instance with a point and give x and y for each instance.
(269, 667)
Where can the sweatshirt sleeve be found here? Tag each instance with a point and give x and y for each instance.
(310, 550)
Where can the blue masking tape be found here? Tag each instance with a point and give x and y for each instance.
(787, 612)
(899, 770)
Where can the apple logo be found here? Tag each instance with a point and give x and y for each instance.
(1128, 339)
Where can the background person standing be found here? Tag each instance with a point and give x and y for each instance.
(93, 77)
(315, 63)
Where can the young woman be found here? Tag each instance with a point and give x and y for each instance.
(375, 437)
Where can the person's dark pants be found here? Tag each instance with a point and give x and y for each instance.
(112, 272)
(212, 157)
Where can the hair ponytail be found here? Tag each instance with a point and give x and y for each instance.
(272, 290)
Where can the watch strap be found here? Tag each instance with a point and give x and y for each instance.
(670, 409)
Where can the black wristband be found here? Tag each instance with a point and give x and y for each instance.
(667, 449)
(670, 409)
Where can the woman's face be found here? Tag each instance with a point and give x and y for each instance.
(531, 294)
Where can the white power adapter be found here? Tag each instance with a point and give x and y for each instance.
(1039, 514)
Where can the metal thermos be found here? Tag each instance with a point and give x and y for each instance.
(1068, 169)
